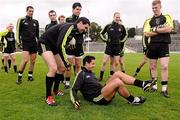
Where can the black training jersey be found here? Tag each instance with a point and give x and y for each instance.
(27, 30)
(8, 40)
(58, 37)
(50, 25)
(72, 19)
(114, 32)
(88, 85)
(159, 21)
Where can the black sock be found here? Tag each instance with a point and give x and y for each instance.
(164, 82)
(101, 74)
(20, 74)
(30, 74)
(130, 98)
(6, 69)
(15, 68)
(9, 63)
(137, 70)
(111, 72)
(138, 83)
(67, 78)
(58, 78)
(49, 83)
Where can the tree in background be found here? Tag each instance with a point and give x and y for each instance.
(95, 30)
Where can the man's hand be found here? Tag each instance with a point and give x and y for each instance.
(144, 49)
(77, 104)
(72, 43)
(154, 29)
(68, 66)
(20, 46)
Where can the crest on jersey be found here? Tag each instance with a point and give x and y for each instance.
(157, 20)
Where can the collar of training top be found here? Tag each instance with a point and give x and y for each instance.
(53, 22)
(28, 17)
(75, 17)
(85, 70)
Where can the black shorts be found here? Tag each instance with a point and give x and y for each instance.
(112, 51)
(156, 51)
(9, 50)
(100, 100)
(43, 48)
(77, 52)
(31, 48)
(122, 49)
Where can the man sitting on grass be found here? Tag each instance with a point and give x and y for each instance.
(93, 91)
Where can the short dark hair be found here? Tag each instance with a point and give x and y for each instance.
(84, 20)
(88, 59)
(76, 4)
(51, 11)
(29, 7)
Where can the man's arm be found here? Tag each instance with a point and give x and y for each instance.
(37, 30)
(103, 34)
(4, 32)
(18, 29)
(62, 43)
(78, 82)
(167, 27)
(124, 35)
(147, 29)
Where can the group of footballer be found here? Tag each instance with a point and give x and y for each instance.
(61, 48)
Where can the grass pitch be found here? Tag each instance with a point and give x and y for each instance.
(26, 101)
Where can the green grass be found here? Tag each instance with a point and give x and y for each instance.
(26, 101)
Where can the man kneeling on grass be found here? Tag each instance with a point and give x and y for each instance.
(93, 91)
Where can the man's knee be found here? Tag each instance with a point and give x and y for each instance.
(117, 73)
(53, 69)
(118, 82)
(164, 67)
(61, 69)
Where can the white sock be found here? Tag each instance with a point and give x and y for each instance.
(154, 86)
(164, 87)
(67, 83)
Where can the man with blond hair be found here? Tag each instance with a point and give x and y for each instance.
(158, 28)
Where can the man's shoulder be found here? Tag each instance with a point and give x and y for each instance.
(36, 21)
(48, 24)
(21, 18)
(167, 15)
(69, 19)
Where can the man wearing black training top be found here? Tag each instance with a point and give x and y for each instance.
(51, 47)
(52, 16)
(27, 32)
(75, 55)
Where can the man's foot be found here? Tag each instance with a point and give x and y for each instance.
(154, 86)
(19, 81)
(66, 86)
(147, 85)
(50, 101)
(138, 101)
(165, 94)
(59, 93)
(30, 79)
(153, 90)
